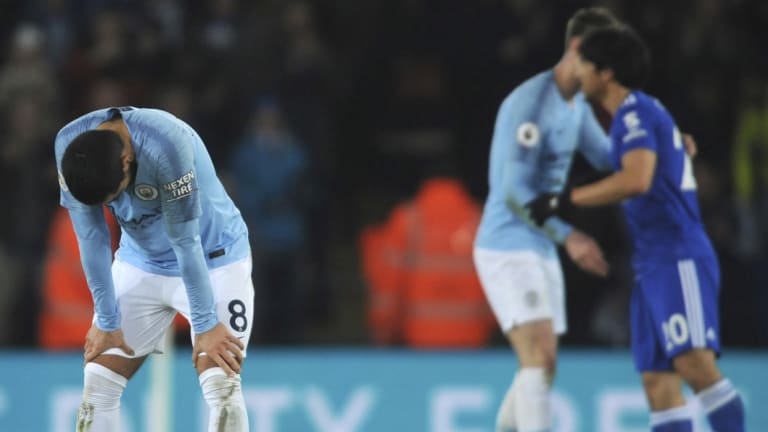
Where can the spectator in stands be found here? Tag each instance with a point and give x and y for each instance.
(750, 171)
(268, 175)
(27, 73)
(25, 139)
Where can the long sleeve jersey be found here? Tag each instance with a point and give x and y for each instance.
(534, 140)
(175, 216)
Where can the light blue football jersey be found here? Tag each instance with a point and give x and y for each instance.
(665, 223)
(534, 140)
(175, 196)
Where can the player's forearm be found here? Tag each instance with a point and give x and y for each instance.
(517, 196)
(555, 228)
(97, 262)
(96, 257)
(185, 241)
(612, 189)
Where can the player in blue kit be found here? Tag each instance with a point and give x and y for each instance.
(184, 248)
(674, 305)
(538, 128)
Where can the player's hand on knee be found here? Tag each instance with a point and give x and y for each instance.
(222, 347)
(97, 341)
(586, 253)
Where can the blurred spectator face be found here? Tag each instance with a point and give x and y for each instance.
(25, 116)
(267, 119)
(107, 27)
(707, 9)
(221, 34)
(175, 100)
(28, 43)
(105, 93)
(56, 5)
(297, 17)
(223, 8)
(109, 46)
(24, 124)
(420, 79)
(708, 182)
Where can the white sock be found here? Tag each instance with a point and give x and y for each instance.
(100, 408)
(225, 401)
(505, 418)
(716, 395)
(532, 400)
(672, 415)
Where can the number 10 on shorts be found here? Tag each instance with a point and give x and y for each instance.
(675, 331)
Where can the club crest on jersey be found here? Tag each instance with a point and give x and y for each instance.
(528, 135)
(631, 120)
(634, 130)
(145, 192)
(62, 183)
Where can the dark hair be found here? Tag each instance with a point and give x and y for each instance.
(92, 166)
(586, 20)
(621, 50)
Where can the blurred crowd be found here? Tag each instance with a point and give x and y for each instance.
(322, 117)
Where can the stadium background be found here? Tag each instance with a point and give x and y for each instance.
(374, 92)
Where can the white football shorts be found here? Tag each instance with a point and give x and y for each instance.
(148, 303)
(522, 286)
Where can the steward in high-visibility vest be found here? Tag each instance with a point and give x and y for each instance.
(423, 288)
(67, 304)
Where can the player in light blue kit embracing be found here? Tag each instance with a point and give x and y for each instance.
(184, 248)
(538, 128)
(674, 305)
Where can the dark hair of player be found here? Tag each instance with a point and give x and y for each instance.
(586, 20)
(621, 50)
(92, 166)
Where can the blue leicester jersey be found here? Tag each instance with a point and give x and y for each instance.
(535, 137)
(665, 223)
(174, 207)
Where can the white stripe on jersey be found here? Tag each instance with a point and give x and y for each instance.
(692, 299)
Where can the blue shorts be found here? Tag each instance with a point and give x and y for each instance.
(674, 308)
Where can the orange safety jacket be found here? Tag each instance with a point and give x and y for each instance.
(67, 304)
(423, 288)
